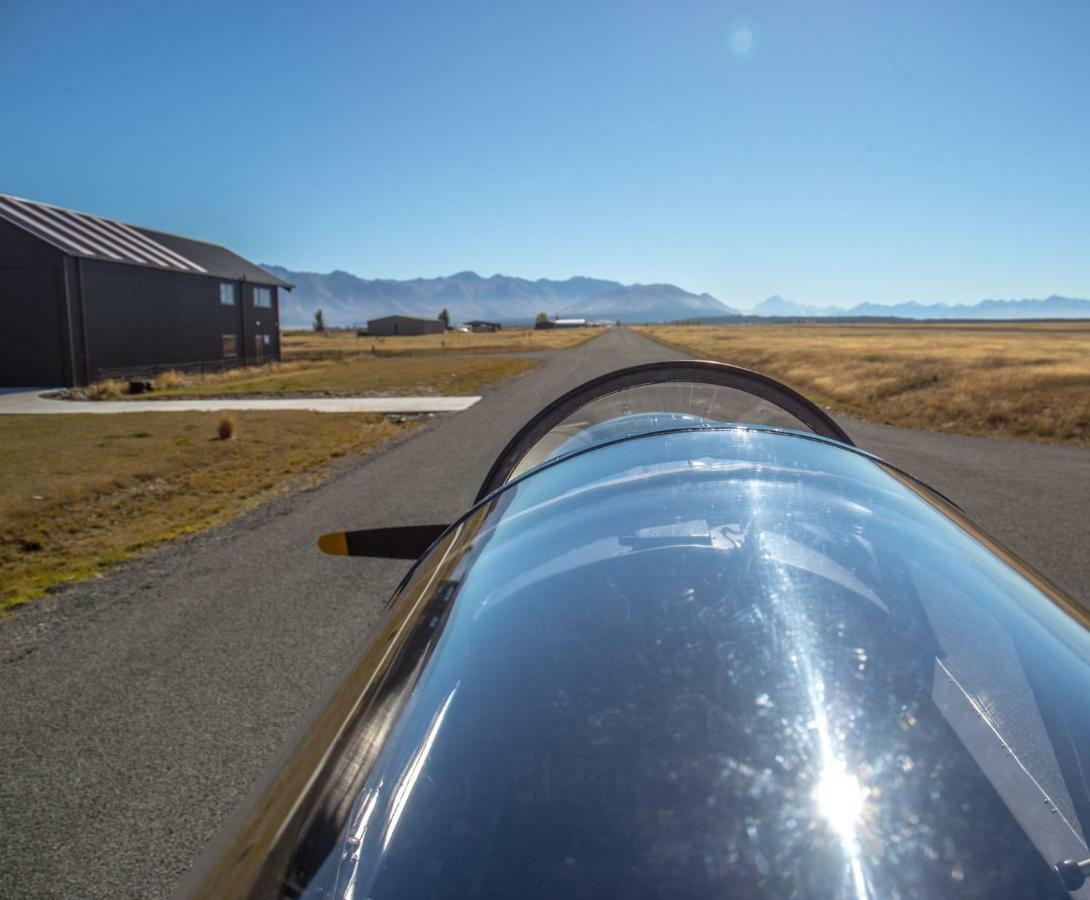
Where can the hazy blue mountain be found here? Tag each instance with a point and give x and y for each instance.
(777, 306)
(346, 299)
(1053, 307)
(647, 303)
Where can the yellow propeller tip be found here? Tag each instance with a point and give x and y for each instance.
(335, 544)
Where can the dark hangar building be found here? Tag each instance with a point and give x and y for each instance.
(84, 298)
(390, 326)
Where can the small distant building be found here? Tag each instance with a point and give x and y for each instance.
(545, 324)
(390, 326)
(84, 298)
(483, 327)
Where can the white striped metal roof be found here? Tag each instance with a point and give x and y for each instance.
(81, 234)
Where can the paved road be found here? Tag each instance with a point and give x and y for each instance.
(137, 710)
(30, 402)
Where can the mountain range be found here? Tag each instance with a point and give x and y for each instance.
(1053, 307)
(346, 299)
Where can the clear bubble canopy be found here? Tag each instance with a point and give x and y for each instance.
(712, 662)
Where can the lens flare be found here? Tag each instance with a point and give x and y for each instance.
(741, 40)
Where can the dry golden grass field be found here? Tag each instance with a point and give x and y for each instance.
(296, 344)
(79, 493)
(1009, 379)
(357, 376)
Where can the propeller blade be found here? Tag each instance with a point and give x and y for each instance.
(401, 542)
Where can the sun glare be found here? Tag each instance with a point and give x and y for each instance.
(839, 798)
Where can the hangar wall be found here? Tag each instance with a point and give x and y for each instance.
(33, 331)
(69, 316)
(140, 320)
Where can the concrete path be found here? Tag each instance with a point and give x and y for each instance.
(31, 402)
(138, 709)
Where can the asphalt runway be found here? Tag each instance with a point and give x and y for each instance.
(138, 709)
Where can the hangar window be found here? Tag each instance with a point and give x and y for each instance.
(227, 293)
(263, 297)
(230, 345)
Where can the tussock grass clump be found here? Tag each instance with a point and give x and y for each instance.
(1003, 379)
(169, 379)
(107, 389)
(226, 428)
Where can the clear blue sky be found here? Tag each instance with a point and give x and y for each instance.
(830, 152)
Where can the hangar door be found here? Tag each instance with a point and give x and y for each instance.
(32, 339)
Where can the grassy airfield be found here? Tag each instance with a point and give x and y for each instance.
(338, 363)
(1000, 379)
(81, 493)
(426, 375)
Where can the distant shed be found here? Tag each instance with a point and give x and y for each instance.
(545, 324)
(389, 326)
(84, 297)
